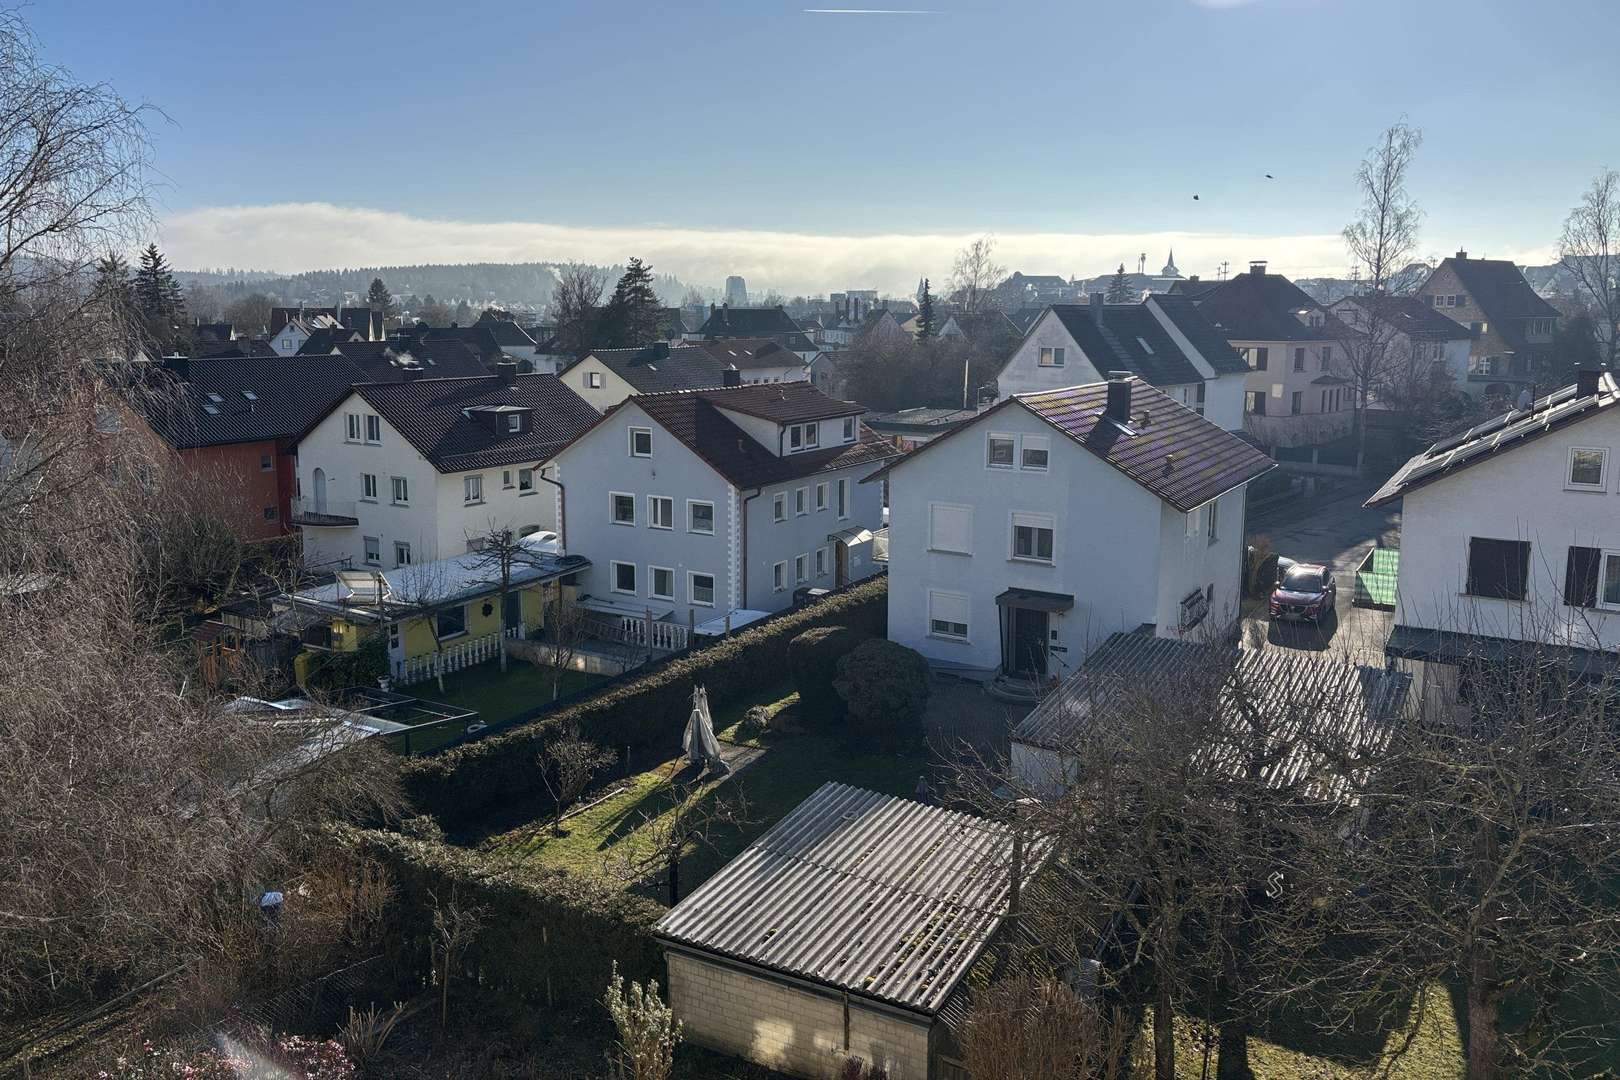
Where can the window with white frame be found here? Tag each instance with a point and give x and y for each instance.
(624, 577)
(779, 576)
(514, 422)
(267, 463)
(368, 486)
(593, 380)
(1588, 468)
(661, 583)
(803, 437)
(1033, 452)
(1609, 580)
(506, 479)
(1212, 521)
(472, 489)
(779, 506)
(622, 507)
(373, 549)
(400, 489)
(850, 424)
(950, 528)
(699, 517)
(660, 512)
(373, 428)
(402, 553)
(948, 615)
(351, 427)
(451, 621)
(843, 497)
(700, 588)
(1032, 537)
(801, 569)
(1001, 451)
(801, 501)
(641, 442)
(1050, 357)
(821, 562)
(821, 495)
(525, 481)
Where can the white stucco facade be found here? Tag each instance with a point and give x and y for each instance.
(1124, 556)
(434, 519)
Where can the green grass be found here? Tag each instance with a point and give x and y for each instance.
(497, 697)
(618, 829)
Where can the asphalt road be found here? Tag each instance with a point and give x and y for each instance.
(1337, 529)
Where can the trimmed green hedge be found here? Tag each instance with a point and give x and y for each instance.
(546, 935)
(647, 714)
(813, 658)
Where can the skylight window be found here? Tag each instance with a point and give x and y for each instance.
(250, 395)
(211, 410)
(215, 398)
(1145, 346)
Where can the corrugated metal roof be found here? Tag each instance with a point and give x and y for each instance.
(863, 892)
(1317, 708)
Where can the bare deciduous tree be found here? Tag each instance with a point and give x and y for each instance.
(567, 764)
(456, 926)
(975, 275)
(576, 305)
(1028, 1028)
(696, 816)
(1589, 249)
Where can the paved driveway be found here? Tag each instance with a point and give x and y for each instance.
(1339, 529)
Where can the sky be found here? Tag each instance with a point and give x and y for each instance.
(820, 150)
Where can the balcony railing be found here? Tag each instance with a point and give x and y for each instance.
(455, 656)
(324, 513)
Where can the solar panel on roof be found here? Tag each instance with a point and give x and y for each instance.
(1447, 444)
(1428, 468)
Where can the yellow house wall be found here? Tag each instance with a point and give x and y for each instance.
(418, 633)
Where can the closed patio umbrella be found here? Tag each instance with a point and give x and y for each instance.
(701, 747)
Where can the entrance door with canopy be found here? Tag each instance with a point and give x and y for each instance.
(1026, 629)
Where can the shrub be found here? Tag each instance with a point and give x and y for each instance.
(754, 722)
(885, 690)
(813, 660)
(648, 1030)
(646, 712)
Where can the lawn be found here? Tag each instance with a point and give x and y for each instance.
(617, 829)
(498, 697)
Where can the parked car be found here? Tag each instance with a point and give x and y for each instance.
(1304, 591)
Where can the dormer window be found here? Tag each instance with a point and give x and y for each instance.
(849, 429)
(803, 437)
(514, 423)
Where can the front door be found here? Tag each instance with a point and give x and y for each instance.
(1026, 643)
(513, 618)
(841, 559)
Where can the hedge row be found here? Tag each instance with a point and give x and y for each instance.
(546, 936)
(465, 784)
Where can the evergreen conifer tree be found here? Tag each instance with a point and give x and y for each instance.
(633, 316)
(159, 303)
(378, 298)
(926, 327)
(1119, 289)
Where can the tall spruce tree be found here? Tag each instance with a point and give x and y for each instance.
(1119, 289)
(634, 315)
(926, 326)
(159, 303)
(378, 298)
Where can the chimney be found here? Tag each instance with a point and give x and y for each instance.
(179, 365)
(507, 370)
(1193, 279)
(1119, 397)
(1257, 268)
(1097, 308)
(731, 377)
(1461, 255)
(410, 372)
(1588, 379)
(658, 350)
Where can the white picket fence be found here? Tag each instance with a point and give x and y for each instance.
(454, 657)
(645, 632)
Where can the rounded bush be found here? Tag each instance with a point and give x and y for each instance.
(813, 661)
(884, 687)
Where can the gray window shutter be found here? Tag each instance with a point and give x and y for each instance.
(1581, 577)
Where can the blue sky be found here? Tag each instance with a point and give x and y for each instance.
(751, 134)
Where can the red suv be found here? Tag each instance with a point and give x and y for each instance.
(1306, 591)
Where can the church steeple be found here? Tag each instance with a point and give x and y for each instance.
(1170, 270)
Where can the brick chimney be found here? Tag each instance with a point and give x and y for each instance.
(507, 370)
(1118, 408)
(1257, 267)
(1461, 256)
(179, 366)
(731, 377)
(1097, 308)
(1588, 380)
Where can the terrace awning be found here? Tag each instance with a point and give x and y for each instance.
(854, 535)
(1035, 600)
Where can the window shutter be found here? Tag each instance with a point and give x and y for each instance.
(1581, 577)
(950, 528)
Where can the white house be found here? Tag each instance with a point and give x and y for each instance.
(1020, 540)
(1415, 344)
(694, 504)
(405, 472)
(1511, 532)
(1163, 340)
(1295, 389)
(605, 377)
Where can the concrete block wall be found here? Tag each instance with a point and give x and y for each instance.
(787, 1029)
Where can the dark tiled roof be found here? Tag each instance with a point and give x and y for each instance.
(878, 896)
(1320, 711)
(211, 406)
(1499, 289)
(656, 370)
(1198, 330)
(1497, 436)
(693, 417)
(784, 403)
(751, 354)
(726, 322)
(381, 360)
(1173, 452)
(1260, 307)
(1411, 316)
(428, 412)
(987, 328)
(325, 340)
(1117, 345)
(1025, 317)
(505, 333)
(1193, 289)
(362, 319)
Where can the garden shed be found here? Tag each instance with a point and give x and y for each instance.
(842, 932)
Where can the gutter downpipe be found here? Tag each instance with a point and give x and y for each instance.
(742, 513)
(562, 505)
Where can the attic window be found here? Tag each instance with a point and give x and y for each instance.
(215, 398)
(211, 410)
(250, 395)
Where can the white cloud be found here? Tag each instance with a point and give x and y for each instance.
(301, 236)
